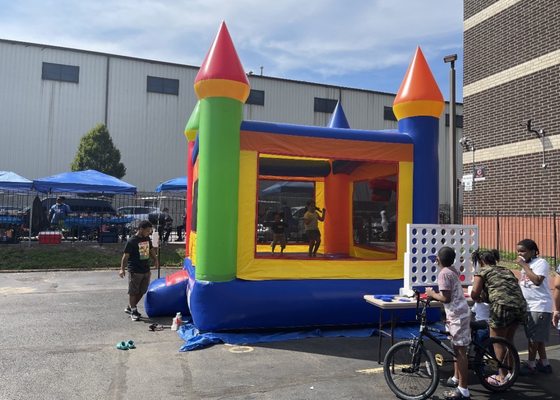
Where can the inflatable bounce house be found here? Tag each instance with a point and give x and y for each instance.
(232, 282)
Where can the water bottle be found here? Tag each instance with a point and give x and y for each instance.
(177, 321)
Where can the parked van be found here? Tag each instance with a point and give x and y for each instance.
(138, 213)
(175, 205)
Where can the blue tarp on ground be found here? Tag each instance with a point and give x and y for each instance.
(89, 181)
(195, 340)
(12, 181)
(173, 185)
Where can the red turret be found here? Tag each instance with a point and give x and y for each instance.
(221, 73)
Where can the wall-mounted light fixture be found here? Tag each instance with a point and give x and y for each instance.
(540, 134)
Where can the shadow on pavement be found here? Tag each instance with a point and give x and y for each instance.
(354, 348)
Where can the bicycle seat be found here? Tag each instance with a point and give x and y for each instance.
(478, 325)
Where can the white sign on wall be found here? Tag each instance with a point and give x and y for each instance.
(468, 182)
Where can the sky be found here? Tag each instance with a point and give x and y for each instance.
(365, 44)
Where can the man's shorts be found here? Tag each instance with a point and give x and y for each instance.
(503, 316)
(138, 283)
(459, 331)
(313, 235)
(279, 238)
(537, 326)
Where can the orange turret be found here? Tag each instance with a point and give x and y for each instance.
(419, 94)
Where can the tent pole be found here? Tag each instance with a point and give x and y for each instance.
(30, 222)
(159, 239)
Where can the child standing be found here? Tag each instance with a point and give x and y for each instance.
(556, 298)
(311, 220)
(136, 258)
(535, 288)
(457, 318)
(278, 228)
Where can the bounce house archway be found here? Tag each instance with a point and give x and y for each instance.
(372, 184)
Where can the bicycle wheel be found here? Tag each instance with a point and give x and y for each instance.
(410, 376)
(497, 364)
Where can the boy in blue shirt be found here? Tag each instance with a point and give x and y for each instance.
(58, 212)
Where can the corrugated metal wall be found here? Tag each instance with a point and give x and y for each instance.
(42, 121)
(148, 127)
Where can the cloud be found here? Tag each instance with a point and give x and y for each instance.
(290, 38)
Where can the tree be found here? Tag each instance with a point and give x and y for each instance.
(97, 151)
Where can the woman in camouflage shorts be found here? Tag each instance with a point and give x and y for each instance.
(498, 287)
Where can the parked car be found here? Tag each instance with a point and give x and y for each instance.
(82, 222)
(295, 230)
(10, 210)
(82, 206)
(264, 234)
(138, 213)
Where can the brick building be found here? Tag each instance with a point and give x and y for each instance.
(512, 75)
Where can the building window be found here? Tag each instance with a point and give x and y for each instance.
(163, 85)
(324, 105)
(388, 114)
(256, 97)
(458, 121)
(60, 72)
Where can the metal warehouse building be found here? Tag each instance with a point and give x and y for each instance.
(51, 96)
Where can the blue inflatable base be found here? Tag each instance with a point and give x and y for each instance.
(167, 296)
(250, 305)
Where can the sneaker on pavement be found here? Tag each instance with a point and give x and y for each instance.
(545, 369)
(455, 394)
(128, 310)
(526, 370)
(135, 315)
(450, 383)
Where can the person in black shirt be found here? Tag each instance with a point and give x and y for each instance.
(181, 228)
(278, 228)
(136, 258)
(165, 225)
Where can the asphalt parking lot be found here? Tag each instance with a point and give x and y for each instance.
(58, 332)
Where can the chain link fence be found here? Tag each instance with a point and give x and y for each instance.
(102, 218)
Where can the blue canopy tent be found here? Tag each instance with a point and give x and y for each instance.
(86, 182)
(173, 185)
(12, 181)
(289, 187)
(89, 181)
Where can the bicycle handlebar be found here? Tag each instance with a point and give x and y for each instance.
(425, 303)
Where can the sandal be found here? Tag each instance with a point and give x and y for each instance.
(122, 346)
(156, 327)
(494, 380)
(130, 344)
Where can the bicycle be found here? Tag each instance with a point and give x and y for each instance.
(411, 370)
